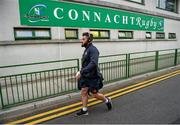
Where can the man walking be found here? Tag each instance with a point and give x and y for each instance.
(89, 78)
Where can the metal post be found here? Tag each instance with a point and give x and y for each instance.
(157, 60)
(127, 65)
(2, 103)
(175, 57)
(78, 66)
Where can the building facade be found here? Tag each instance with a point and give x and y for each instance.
(22, 42)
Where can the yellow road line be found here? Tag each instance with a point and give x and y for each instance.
(54, 116)
(141, 83)
(96, 102)
(143, 86)
(90, 100)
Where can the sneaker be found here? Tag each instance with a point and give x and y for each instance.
(109, 104)
(81, 112)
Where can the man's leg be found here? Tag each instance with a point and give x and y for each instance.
(100, 96)
(84, 98)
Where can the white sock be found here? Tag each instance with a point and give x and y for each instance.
(84, 108)
(106, 101)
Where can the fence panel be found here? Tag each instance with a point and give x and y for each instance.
(26, 87)
(113, 67)
(166, 59)
(141, 63)
(178, 56)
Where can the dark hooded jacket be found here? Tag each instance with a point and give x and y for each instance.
(90, 74)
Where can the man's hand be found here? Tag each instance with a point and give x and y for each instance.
(78, 75)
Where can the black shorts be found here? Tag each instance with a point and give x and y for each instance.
(93, 85)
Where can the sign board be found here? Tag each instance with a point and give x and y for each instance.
(68, 14)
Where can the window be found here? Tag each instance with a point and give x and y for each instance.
(24, 33)
(160, 35)
(125, 35)
(137, 1)
(100, 34)
(32, 33)
(71, 33)
(169, 5)
(148, 35)
(172, 35)
(41, 33)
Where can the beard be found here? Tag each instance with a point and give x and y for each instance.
(84, 45)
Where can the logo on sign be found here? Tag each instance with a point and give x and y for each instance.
(37, 13)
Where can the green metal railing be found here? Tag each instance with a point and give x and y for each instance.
(25, 83)
(113, 67)
(166, 59)
(31, 86)
(177, 60)
(141, 63)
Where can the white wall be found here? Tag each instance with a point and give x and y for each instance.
(9, 18)
(149, 5)
(17, 54)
